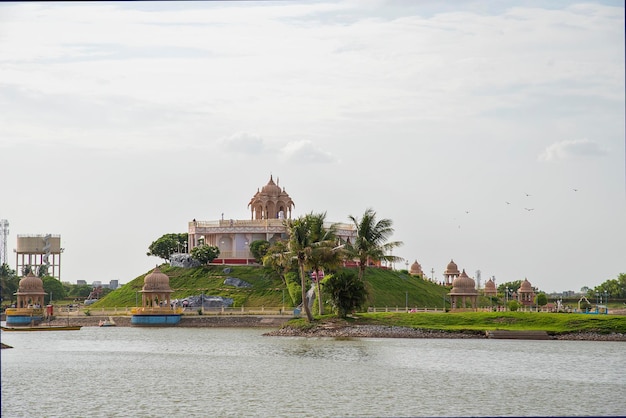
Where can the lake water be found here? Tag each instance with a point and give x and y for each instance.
(231, 372)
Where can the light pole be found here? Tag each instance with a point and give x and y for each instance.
(606, 301)
(506, 299)
(432, 274)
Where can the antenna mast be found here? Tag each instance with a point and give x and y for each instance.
(4, 233)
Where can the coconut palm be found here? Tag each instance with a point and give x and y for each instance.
(370, 244)
(324, 252)
(278, 259)
(300, 244)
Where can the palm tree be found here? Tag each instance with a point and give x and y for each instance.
(278, 259)
(370, 243)
(324, 253)
(300, 248)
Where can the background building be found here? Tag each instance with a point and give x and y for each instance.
(37, 251)
(269, 207)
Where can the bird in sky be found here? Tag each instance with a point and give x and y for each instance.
(529, 209)
(575, 190)
(467, 211)
(508, 203)
(527, 194)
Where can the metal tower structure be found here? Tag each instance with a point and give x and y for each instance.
(478, 279)
(4, 234)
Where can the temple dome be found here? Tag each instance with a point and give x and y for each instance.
(156, 281)
(30, 283)
(452, 268)
(271, 188)
(490, 286)
(463, 284)
(416, 269)
(525, 287)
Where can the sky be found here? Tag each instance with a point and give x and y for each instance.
(490, 133)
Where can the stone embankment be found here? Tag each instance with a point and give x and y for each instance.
(381, 331)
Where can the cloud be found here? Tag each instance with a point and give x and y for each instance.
(575, 148)
(242, 143)
(305, 151)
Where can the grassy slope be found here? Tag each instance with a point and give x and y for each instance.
(266, 290)
(386, 288)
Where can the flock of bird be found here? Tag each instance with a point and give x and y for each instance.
(528, 209)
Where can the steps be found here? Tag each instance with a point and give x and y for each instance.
(518, 335)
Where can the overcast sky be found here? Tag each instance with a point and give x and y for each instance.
(121, 122)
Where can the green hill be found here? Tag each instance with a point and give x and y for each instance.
(386, 288)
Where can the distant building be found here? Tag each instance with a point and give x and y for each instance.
(463, 292)
(490, 288)
(269, 208)
(81, 282)
(37, 252)
(416, 269)
(114, 284)
(451, 273)
(526, 294)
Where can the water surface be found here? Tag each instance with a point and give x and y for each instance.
(231, 372)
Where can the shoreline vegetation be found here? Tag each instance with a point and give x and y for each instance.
(521, 325)
(580, 327)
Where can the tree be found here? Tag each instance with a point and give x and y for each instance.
(512, 286)
(615, 288)
(80, 291)
(346, 291)
(9, 283)
(513, 305)
(259, 249)
(541, 299)
(300, 248)
(205, 253)
(53, 288)
(278, 259)
(370, 244)
(324, 252)
(42, 271)
(167, 245)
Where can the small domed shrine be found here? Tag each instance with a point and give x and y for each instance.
(156, 289)
(271, 202)
(526, 294)
(156, 306)
(490, 288)
(30, 299)
(463, 290)
(451, 273)
(416, 269)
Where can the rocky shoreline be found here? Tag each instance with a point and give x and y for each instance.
(382, 331)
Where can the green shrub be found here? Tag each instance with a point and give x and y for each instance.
(513, 305)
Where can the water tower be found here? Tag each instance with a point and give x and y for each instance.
(37, 252)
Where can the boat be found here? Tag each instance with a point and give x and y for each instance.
(42, 328)
(107, 323)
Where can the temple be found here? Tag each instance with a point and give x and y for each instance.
(269, 207)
